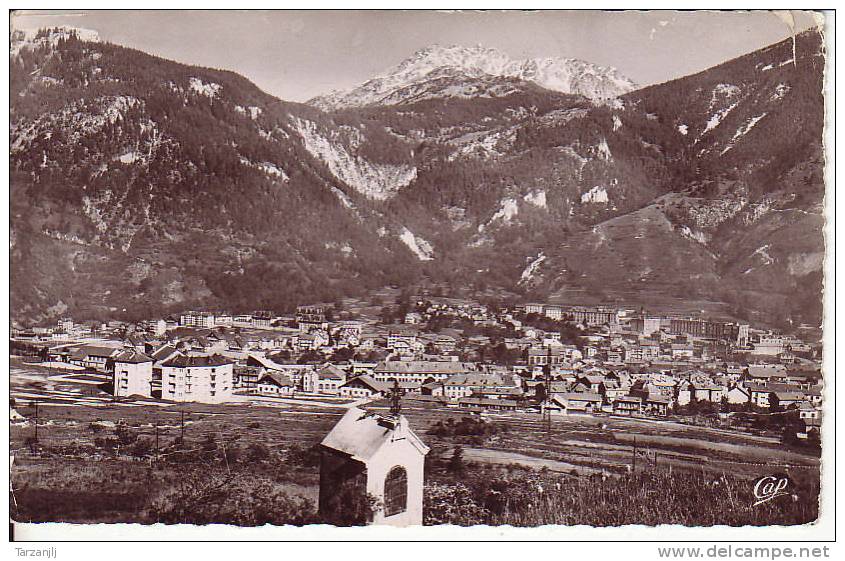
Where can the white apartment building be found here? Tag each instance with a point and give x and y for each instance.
(197, 319)
(65, 325)
(554, 312)
(133, 374)
(772, 346)
(206, 379)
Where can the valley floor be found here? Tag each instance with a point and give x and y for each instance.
(70, 475)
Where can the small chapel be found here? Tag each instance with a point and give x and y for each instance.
(376, 456)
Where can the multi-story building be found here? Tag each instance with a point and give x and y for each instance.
(311, 317)
(224, 319)
(541, 356)
(553, 312)
(465, 385)
(615, 355)
(326, 380)
(157, 327)
(262, 319)
(742, 335)
(628, 405)
(93, 357)
(599, 315)
(349, 333)
(709, 329)
(417, 370)
(682, 351)
(445, 343)
(650, 324)
(133, 374)
(771, 345)
(65, 325)
(402, 340)
(534, 308)
(206, 379)
(197, 319)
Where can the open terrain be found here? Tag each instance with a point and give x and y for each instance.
(70, 461)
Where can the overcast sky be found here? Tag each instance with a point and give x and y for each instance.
(296, 55)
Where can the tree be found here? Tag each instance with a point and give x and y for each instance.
(124, 435)
(774, 403)
(143, 447)
(386, 315)
(456, 462)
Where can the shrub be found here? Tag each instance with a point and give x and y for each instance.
(142, 448)
(445, 503)
(466, 427)
(204, 497)
(257, 452)
(456, 462)
(527, 498)
(304, 457)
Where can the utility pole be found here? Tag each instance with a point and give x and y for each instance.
(547, 403)
(182, 426)
(156, 454)
(36, 419)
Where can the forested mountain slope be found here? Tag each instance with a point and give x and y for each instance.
(145, 184)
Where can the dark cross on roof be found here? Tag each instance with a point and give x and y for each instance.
(395, 399)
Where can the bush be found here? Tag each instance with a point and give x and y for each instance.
(451, 504)
(467, 427)
(72, 448)
(142, 448)
(222, 498)
(527, 498)
(257, 452)
(304, 457)
(456, 462)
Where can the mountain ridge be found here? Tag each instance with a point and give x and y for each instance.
(148, 185)
(565, 75)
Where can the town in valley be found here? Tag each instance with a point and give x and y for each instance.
(670, 391)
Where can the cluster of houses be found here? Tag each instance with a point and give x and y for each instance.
(623, 362)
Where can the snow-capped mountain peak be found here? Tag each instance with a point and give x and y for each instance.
(566, 75)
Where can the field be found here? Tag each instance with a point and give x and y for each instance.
(78, 472)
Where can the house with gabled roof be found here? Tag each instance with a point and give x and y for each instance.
(325, 380)
(568, 403)
(363, 386)
(739, 394)
(274, 384)
(628, 405)
(94, 357)
(463, 385)
(766, 373)
(656, 404)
